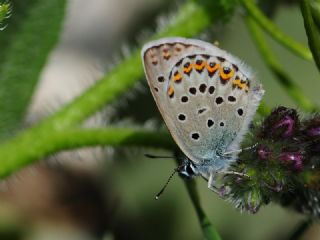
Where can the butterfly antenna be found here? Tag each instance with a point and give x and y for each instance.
(165, 186)
(156, 156)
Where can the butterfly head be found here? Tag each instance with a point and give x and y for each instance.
(187, 169)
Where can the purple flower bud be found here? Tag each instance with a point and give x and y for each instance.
(281, 123)
(263, 152)
(314, 132)
(312, 127)
(293, 158)
(287, 124)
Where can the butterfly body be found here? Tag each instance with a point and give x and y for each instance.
(206, 96)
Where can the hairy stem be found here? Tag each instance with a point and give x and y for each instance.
(45, 144)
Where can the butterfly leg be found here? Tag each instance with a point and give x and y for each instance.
(221, 191)
(212, 184)
(240, 150)
(236, 173)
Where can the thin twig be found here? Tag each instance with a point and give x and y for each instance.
(274, 31)
(300, 230)
(311, 30)
(283, 78)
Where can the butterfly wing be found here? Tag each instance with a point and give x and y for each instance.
(206, 96)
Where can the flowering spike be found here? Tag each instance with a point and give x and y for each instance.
(284, 166)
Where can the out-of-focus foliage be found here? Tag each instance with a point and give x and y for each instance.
(31, 33)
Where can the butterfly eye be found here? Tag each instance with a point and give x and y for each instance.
(189, 169)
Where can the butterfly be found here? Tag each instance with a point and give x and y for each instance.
(207, 98)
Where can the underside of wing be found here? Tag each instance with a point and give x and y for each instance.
(206, 96)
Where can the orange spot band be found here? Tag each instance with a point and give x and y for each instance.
(177, 77)
(226, 75)
(212, 69)
(170, 91)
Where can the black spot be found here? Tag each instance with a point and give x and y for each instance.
(176, 73)
(184, 99)
(205, 56)
(186, 65)
(199, 62)
(179, 62)
(181, 117)
(201, 110)
(240, 111)
(193, 90)
(202, 87)
(221, 124)
(248, 83)
(156, 89)
(221, 59)
(211, 89)
(226, 70)
(192, 56)
(161, 79)
(195, 136)
(210, 123)
(235, 67)
(219, 100)
(231, 99)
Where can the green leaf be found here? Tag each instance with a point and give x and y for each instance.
(32, 32)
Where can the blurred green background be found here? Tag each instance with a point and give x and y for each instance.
(106, 193)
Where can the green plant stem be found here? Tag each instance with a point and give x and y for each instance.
(300, 230)
(37, 144)
(274, 31)
(315, 10)
(292, 89)
(208, 231)
(311, 30)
